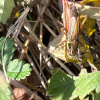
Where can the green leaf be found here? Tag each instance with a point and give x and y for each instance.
(6, 7)
(18, 70)
(4, 88)
(64, 87)
(60, 86)
(8, 50)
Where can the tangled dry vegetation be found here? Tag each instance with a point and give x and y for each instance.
(39, 23)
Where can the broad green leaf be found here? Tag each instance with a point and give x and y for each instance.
(18, 70)
(65, 87)
(8, 50)
(86, 83)
(60, 86)
(4, 88)
(6, 7)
